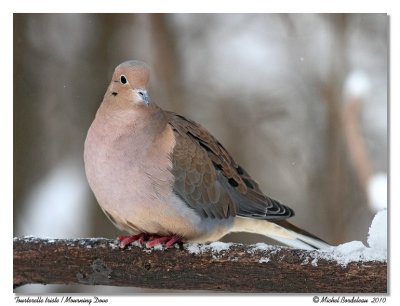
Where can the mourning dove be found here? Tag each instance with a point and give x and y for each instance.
(164, 179)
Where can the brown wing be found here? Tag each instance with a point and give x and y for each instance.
(211, 182)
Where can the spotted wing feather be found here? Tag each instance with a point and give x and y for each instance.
(211, 182)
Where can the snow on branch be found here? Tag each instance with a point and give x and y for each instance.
(217, 266)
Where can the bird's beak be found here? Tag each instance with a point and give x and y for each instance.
(144, 96)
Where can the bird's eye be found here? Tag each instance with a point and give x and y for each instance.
(123, 79)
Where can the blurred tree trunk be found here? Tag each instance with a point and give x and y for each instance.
(167, 64)
(25, 124)
(344, 198)
(356, 147)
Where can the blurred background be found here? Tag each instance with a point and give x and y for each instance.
(299, 100)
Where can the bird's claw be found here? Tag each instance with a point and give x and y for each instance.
(124, 241)
(168, 241)
(153, 240)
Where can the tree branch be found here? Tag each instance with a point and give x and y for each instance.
(241, 268)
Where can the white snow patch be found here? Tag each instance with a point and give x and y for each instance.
(264, 247)
(193, 248)
(314, 262)
(343, 254)
(220, 246)
(158, 247)
(306, 261)
(356, 251)
(136, 243)
(264, 260)
(215, 247)
(377, 235)
(114, 245)
(377, 191)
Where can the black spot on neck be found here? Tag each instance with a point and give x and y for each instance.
(114, 93)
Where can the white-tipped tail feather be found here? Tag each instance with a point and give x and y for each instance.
(287, 236)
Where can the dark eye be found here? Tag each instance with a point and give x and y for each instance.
(123, 79)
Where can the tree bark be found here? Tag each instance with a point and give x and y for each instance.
(241, 268)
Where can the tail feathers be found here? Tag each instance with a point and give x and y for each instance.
(302, 235)
(301, 241)
(281, 231)
(294, 242)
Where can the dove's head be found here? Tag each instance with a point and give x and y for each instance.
(129, 83)
(126, 103)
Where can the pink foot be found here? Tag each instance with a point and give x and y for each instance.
(167, 240)
(126, 240)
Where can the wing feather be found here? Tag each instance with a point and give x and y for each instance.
(211, 182)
